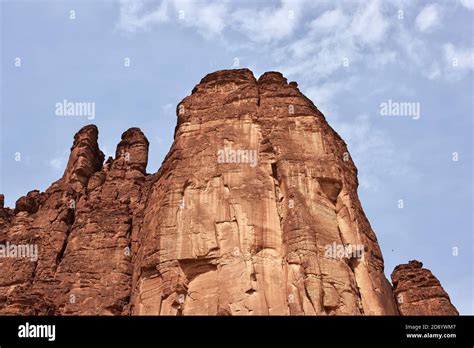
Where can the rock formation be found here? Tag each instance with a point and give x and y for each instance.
(418, 292)
(254, 211)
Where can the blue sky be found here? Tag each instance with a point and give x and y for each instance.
(349, 57)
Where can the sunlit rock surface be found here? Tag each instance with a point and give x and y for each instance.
(254, 211)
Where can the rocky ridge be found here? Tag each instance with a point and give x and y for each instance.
(254, 211)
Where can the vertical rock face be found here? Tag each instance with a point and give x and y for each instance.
(40, 226)
(419, 292)
(85, 158)
(253, 212)
(95, 269)
(82, 227)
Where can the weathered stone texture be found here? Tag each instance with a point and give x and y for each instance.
(250, 238)
(254, 211)
(419, 292)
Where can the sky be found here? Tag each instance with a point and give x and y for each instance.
(135, 60)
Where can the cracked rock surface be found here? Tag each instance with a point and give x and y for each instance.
(419, 292)
(254, 211)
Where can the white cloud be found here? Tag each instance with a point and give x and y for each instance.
(329, 20)
(469, 4)
(373, 152)
(462, 58)
(355, 33)
(316, 58)
(369, 24)
(336, 42)
(135, 16)
(368, 147)
(324, 94)
(268, 24)
(209, 18)
(428, 18)
(412, 47)
(458, 61)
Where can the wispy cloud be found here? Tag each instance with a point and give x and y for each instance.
(433, 72)
(208, 18)
(135, 15)
(458, 61)
(373, 152)
(268, 23)
(369, 24)
(324, 95)
(428, 18)
(339, 39)
(330, 20)
(336, 41)
(469, 4)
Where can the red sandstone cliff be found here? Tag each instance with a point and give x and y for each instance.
(418, 292)
(253, 212)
